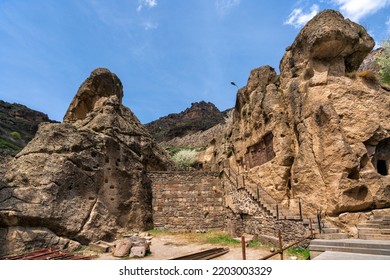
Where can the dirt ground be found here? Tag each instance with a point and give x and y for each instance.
(165, 247)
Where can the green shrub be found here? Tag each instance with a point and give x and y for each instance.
(185, 158)
(16, 135)
(384, 63)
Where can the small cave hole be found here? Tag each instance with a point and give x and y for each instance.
(93, 154)
(206, 214)
(112, 199)
(354, 174)
(363, 162)
(112, 187)
(381, 167)
(107, 160)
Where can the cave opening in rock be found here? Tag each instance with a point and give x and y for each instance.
(381, 167)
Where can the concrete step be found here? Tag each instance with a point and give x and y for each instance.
(330, 230)
(374, 236)
(374, 231)
(377, 244)
(373, 225)
(332, 236)
(384, 218)
(378, 222)
(357, 250)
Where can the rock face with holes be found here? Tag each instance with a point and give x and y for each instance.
(320, 131)
(85, 178)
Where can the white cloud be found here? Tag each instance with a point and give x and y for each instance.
(149, 25)
(357, 9)
(298, 18)
(146, 3)
(225, 6)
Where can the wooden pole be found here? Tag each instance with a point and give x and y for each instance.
(243, 246)
(280, 245)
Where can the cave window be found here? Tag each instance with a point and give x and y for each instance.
(381, 167)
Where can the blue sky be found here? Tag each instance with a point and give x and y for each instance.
(167, 53)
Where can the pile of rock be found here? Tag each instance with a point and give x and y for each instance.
(135, 246)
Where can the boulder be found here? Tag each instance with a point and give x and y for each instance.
(122, 248)
(138, 252)
(85, 178)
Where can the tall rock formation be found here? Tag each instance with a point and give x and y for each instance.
(82, 179)
(319, 132)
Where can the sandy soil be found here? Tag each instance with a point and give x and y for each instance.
(165, 247)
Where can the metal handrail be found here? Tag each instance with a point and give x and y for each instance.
(282, 249)
(268, 200)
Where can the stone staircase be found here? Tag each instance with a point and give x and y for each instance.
(328, 231)
(378, 228)
(263, 199)
(355, 246)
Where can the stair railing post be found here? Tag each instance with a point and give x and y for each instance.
(319, 221)
(300, 209)
(243, 247)
(311, 229)
(280, 244)
(277, 212)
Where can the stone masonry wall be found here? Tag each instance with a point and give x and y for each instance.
(187, 201)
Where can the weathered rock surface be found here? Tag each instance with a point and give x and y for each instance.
(316, 133)
(85, 178)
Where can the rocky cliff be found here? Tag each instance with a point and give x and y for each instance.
(199, 117)
(83, 179)
(318, 132)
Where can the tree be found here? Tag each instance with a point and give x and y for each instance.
(384, 63)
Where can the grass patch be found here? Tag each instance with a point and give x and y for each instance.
(255, 244)
(221, 238)
(300, 253)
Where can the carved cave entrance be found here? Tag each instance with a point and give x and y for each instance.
(381, 158)
(261, 152)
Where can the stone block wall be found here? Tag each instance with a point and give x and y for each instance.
(187, 201)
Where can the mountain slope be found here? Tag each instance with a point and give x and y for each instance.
(199, 117)
(18, 125)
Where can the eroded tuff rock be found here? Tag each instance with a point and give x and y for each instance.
(319, 132)
(85, 178)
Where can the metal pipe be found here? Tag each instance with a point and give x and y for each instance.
(300, 209)
(311, 228)
(243, 246)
